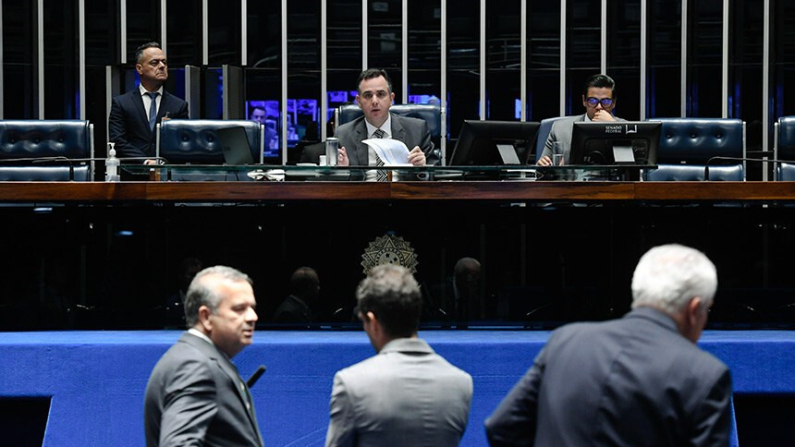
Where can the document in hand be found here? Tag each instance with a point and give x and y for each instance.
(391, 152)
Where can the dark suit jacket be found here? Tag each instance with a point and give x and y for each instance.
(629, 382)
(128, 123)
(195, 397)
(412, 131)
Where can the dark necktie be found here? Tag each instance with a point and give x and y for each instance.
(152, 109)
(380, 174)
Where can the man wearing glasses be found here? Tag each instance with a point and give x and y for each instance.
(599, 100)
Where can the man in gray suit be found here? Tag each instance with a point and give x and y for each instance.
(599, 100)
(375, 97)
(407, 395)
(195, 395)
(637, 381)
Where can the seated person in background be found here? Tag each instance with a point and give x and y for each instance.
(406, 395)
(304, 291)
(259, 115)
(375, 97)
(133, 115)
(175, 304)
(599, 100)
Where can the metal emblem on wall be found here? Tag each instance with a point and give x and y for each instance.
(389, 249)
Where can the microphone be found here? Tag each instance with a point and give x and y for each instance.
(257, 374)
(760, 160)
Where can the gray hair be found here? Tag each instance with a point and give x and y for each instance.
(669, 276)
(202, 293)
(139, 52)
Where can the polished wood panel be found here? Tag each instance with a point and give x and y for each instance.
(408, 191)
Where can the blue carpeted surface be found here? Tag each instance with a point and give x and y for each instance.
(97, 379)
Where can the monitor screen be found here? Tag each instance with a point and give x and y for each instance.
(622, 143)
(478, 140)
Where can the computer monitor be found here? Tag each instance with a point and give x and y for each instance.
(478, 141)
(615, 143)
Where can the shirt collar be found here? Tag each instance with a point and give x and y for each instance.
(386, 127)
(144, 91)
(201, 335)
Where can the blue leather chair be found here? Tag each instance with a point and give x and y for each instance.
(784, 148)
(434, 115)
(52, 142)
(196, 141)
(688, 144)
(543, 134)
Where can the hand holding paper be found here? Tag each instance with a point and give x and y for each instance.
(392, 152)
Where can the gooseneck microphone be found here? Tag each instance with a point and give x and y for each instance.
(257, 374)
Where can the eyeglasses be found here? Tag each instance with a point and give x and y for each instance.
(605, 102)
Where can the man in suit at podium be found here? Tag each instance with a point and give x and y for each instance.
(134, 115)
(375, 97)
(639, 380)
(599, 100)
(195, 395)
(406, 395)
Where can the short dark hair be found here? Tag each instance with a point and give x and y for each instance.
(599, 81)
(371, 73)
(303, 280)
(392, 294)
(139, 52)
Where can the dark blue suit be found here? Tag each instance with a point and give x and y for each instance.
(629, 382)
(129, 125)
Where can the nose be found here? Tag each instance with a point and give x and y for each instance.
(251, 315)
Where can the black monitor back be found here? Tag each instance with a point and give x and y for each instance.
(593, 143)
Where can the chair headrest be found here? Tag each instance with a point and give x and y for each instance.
(44, 138)
(696, 140)
(196, 141)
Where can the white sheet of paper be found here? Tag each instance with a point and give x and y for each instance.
(392, 152)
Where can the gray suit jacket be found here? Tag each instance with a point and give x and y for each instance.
(407, 395)
(195, 397)
(412, 131)
(561, 133)
(629, 382)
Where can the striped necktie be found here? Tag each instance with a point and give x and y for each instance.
(380, 174)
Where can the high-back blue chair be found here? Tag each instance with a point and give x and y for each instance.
(784, 148)
(52, 143)
(687, 145)
(543, 134)
(434, 115)
(196, 141)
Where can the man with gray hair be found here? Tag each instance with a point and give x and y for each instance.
(407, 395)
(639, 380)
(195, 395)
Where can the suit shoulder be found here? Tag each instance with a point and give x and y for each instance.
(349, 126)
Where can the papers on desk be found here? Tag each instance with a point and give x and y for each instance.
(391, 152)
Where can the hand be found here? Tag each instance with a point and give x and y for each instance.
(417, 157)
(150, 162)
(342, 157)
(603, 115)
(544, 161)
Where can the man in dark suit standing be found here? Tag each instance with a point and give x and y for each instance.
(375, 97)
(133, 115)
(637, 381)
(195, 395)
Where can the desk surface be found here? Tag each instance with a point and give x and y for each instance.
(408, 191)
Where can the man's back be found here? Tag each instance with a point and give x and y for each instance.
(405, 396)
(629, 382)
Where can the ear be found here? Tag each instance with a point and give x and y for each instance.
(694, 310)
(359, 101)
(392, 98)
(139, 68)
(204, 318)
